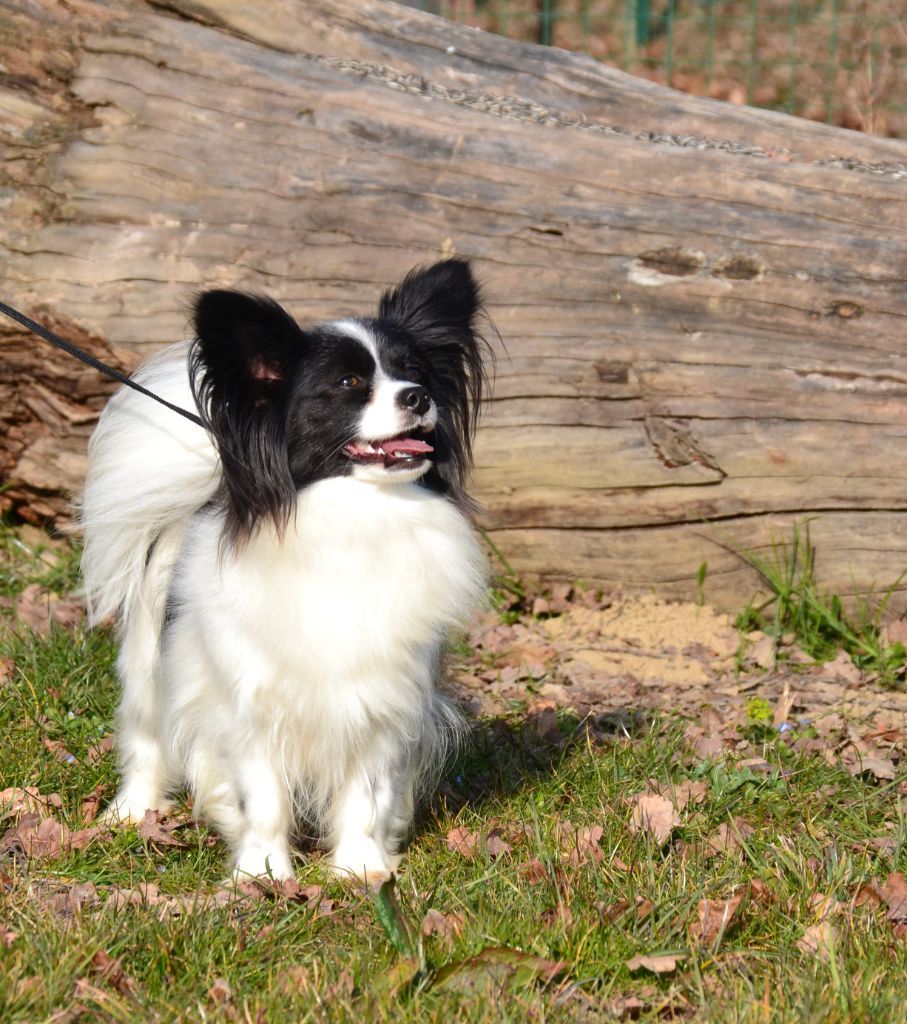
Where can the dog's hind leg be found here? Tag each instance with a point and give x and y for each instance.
(145, 774)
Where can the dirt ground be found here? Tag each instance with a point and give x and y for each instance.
(614, 660)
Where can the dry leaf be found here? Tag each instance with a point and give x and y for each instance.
(46, 838)
(220, 992)
(37, 609)
(445, 926)
(782, 708)
(654, 814)
(495, 844)
(661, 964)
(558, 916)
(714, 918)
(818, 940)
(463, 841)
(579, 844)
(880, 767)
(728, 837)
(110, 970)
(894, 893)
(763, 652)
(843, 668)
(91, 804)
(533, 871)
(99, 748)
(57, 748)
(157, 828)
(15, 799)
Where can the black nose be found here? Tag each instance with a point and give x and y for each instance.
(416, 399)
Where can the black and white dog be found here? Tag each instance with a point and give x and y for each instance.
(286, 580)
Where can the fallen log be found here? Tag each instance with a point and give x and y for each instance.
(703, 306)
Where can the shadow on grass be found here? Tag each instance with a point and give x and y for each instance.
(501, 756)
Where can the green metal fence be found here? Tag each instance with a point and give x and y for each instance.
(840, 61)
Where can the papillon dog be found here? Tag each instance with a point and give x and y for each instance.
(286, 578)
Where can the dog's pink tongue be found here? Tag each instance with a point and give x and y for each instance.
(407, 446)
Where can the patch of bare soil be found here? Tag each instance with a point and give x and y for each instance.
(599, 657)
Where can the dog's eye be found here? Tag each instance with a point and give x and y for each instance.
(414, 373)
(351, 381)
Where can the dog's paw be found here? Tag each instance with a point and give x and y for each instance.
(128, 807)
(255, 861)
(363, 861)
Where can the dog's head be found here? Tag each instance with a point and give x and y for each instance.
(389, 399)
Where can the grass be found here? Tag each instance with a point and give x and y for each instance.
(813, 842)
(798, 612)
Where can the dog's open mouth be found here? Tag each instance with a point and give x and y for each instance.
(395, 451)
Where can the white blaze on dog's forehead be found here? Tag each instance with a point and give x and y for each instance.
(358, 330)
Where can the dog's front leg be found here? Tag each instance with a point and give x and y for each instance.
(369, 818)
(261, 837)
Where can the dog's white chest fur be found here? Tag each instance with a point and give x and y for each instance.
(364, 580)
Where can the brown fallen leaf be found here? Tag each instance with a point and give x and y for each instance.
(681, 793)
(783, 707)
(495, 845)
(80, 896)
(818, 940)
(533, 871)
(46, 838)
(463, 841)
(713, 918)
(655, 815)
(110, 970)
(881, 767)
(158, 829)
(763, 652)
(15, 799)
(894, 892)
(99, 748)
(37, 609)
(497, 966)
(287, 889)
(558, 916)
(542, 719)
(58, 749)
(662, 963)
(7, 936)
(842, 667)
(728, 838)
(91, 804)
(579, 845)
(611, 912)
(445, 927)
(220, 992)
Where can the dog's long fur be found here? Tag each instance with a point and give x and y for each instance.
(284, 591)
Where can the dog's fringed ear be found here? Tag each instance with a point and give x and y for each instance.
(245, 348)
(441, 307)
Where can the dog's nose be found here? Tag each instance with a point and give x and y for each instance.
(416, 399)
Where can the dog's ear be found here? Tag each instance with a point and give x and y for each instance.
(441, 307)
(245, 339)
(245, 348)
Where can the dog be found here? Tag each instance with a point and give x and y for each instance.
(286, 579)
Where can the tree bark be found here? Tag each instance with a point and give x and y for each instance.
(703, 306)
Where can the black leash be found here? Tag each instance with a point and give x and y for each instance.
(89, 360)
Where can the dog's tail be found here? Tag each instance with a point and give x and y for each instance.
(149, 470)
